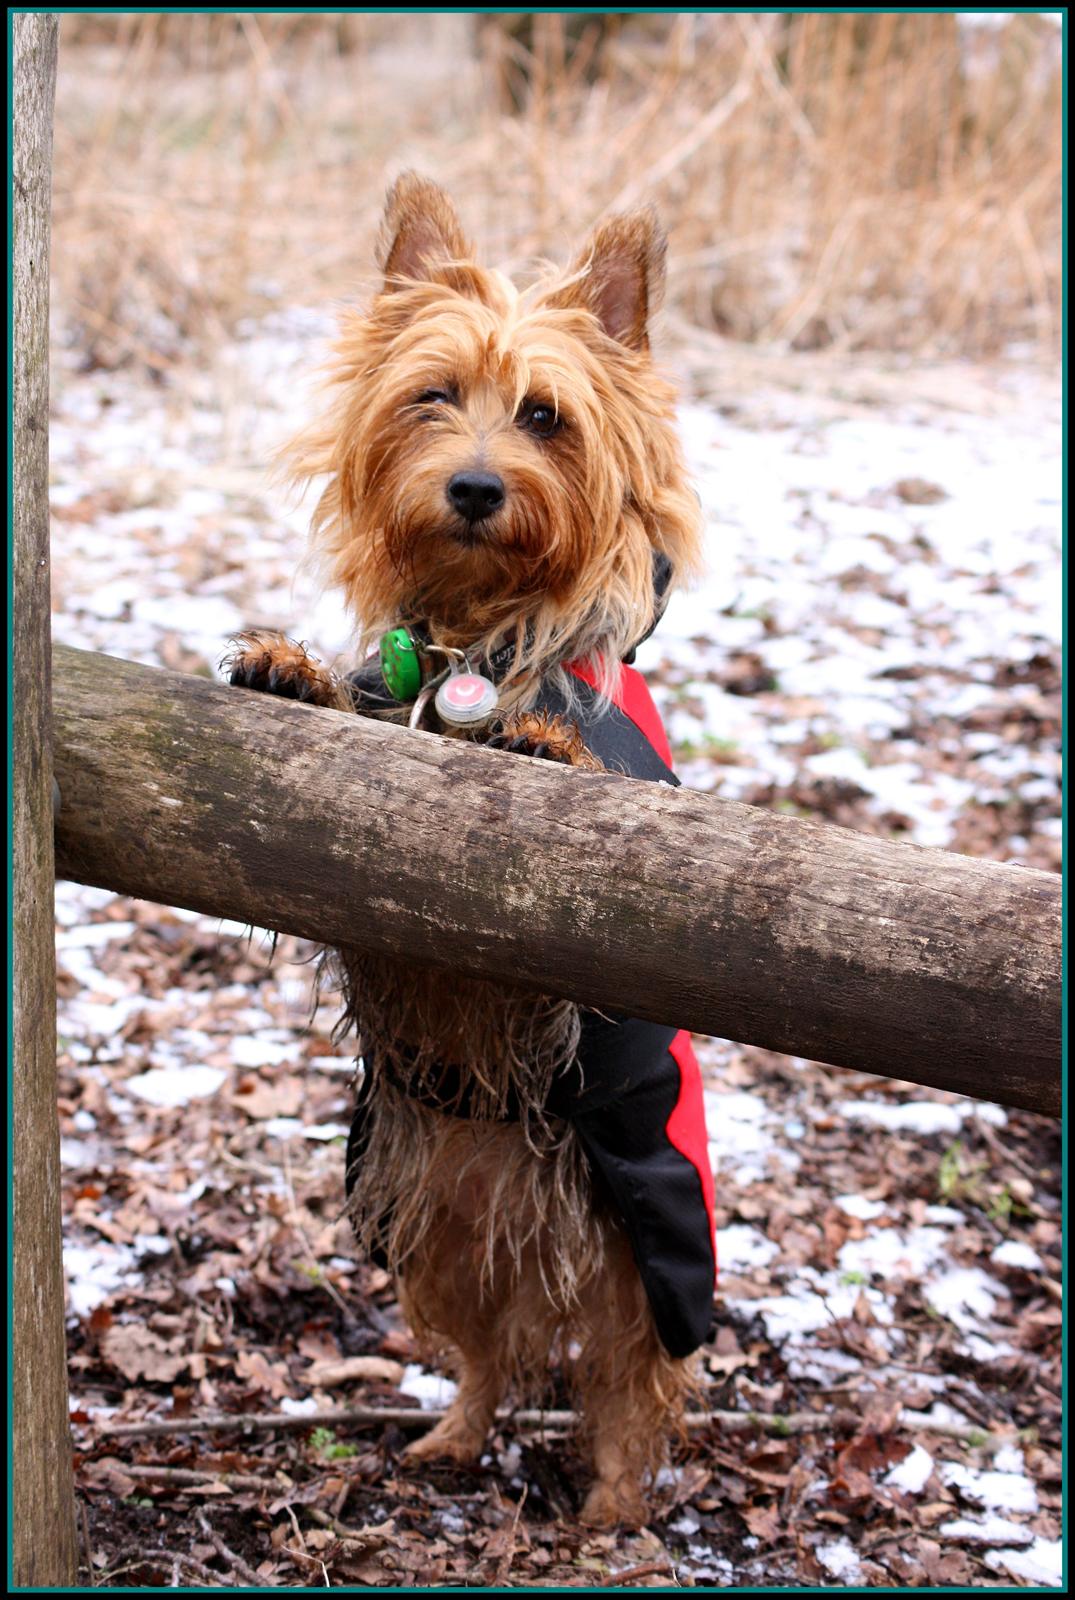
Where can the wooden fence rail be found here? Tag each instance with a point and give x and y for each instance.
(631, 897)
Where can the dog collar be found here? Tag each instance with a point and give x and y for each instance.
(413, 668)
(408, 660)
(409, 668)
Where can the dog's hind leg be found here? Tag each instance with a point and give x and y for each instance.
(631, 1392)
(441, 1297)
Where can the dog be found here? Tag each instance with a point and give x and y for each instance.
(505, 507)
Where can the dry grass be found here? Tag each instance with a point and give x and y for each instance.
(863, 181)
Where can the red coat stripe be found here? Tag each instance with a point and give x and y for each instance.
(631, 696)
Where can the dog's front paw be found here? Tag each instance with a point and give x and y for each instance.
(273, 664)
(550, 738)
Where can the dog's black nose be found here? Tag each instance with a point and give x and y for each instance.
(476, 494)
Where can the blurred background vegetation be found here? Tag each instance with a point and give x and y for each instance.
(870, 181)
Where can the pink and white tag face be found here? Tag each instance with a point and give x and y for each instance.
(466, 698)
(465, 690)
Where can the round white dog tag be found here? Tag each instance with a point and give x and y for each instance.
(465, 699)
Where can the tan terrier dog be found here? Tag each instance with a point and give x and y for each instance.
(506, 508)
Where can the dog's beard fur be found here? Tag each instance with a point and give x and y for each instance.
(505, 1047)
(440, 377)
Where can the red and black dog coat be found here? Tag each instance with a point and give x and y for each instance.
(634, 1091)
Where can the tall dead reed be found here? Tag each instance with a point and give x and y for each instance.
(852, 181)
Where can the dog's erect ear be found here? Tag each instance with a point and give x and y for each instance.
(620, 276)
(420, 230)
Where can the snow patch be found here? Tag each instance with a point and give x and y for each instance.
(739, 1246)
(94, 1273)
(299, 1408)
(889, 1253)
(840, 1559)
(433, 1393)
(821, 1365)
(989, 1530)
(291, 1127)
(919, 1116)
(1043, 1563)
(996, 1491)
(963, 1295)
(911, 1475)
(984, 1350)
(175, 1086)
(1014, 1254)
(813, 1301)
(741, 1143)
(259, 1052)
(91, 935)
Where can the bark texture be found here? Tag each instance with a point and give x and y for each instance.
(43, 1530)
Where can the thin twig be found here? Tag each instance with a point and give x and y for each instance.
(87, 1542)
(341, 1498)
(303, 1554)
(650, 1569)
(187, 1478)
(674, 158)
(296, 1222)
(503, 1566)
(770, 77)
(353, 1536)
(133, 1559)
(415, 1417)
(302, 1558)
(235, 1562)
(256, 1422)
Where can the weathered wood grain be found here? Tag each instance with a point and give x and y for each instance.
(43, 1524)
(667, 904)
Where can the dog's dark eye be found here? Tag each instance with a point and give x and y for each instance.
(434, 397)
(539, 419)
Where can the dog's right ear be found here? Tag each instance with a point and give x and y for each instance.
(420, 231)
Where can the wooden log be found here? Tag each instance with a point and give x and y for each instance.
(632, 897)
(44, 1551)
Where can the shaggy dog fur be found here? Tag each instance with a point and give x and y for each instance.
(504, 1254)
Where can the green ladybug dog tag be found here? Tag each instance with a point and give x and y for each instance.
(401, 666)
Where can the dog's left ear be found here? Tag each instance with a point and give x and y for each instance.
(620, 276)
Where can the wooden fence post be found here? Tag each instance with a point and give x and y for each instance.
(44, 1551)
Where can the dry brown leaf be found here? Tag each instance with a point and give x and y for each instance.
(107, 1474)
(850, 1487)
(919, 492)
(319, 1343)
(724, 1366)
(272, 1377)
(261, 1100)
(140, 1354)
(870, 1451)
(354, 1369)
(764, 1522)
